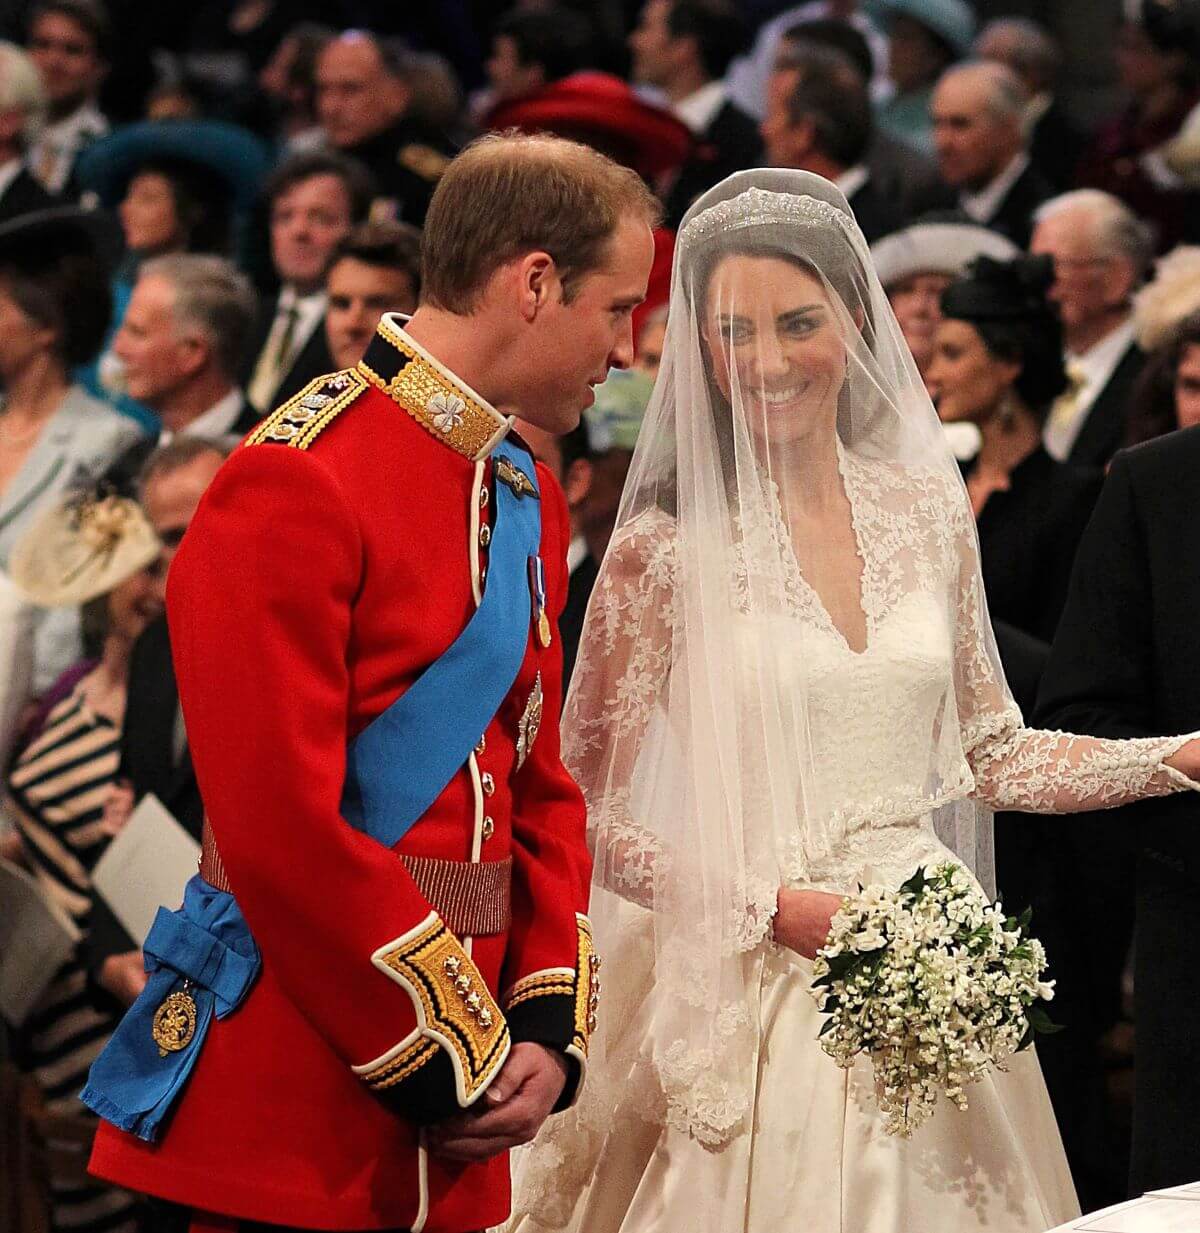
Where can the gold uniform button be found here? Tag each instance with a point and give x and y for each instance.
(485, 535)
(481, 746)
(483, 498)
(489, 828)
(489, 784)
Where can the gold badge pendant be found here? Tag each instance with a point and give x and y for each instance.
(175, 1022)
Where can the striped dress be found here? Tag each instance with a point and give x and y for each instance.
(58, 786)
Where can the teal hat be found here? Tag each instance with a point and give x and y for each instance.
(951, 20)
(615, 418)
(232, 156)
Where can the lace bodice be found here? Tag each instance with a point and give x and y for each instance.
(916, 720)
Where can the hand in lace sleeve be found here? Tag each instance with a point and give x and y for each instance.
(621, 674)
(1032, 770)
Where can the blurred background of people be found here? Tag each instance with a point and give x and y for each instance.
(96, 553)
(54, 311)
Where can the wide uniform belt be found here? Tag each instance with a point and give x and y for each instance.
(474, 898)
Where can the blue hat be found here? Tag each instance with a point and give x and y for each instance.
(235, 157)
(615, 418)
(951, 20)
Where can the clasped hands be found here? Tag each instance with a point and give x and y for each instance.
(510, 1112)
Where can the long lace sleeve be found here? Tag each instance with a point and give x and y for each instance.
(1029, 769)
(621, 676)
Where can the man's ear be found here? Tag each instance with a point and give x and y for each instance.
(577, 482)
(538, 283)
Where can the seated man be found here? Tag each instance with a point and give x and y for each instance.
(376, 269)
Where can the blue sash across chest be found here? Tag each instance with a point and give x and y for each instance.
(201, 958)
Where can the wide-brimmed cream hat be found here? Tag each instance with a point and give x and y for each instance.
(82, 548)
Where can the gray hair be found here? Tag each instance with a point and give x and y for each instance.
(175, 455)
(1117, 229)
(212, 297)
(1007, 98)
(1027, 49)
(21, 89)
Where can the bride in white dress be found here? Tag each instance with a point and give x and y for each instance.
(787, 687)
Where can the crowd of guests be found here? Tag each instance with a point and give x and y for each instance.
(200, 215)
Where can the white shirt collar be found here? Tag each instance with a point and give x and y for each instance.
(8, 173)
(983, 205)
(214, 424)
(577, 553)
(852, 179)
(700, 107)
(1090, 372)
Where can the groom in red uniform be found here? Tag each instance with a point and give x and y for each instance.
(382, 978)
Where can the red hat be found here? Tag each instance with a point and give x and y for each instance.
(602, 111)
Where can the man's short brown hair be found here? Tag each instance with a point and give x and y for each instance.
(507, 194)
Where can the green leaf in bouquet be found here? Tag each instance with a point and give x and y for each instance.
(1024, 919)
(1041, 1022)
(841, 965)
(825, 1027)
(916, 884)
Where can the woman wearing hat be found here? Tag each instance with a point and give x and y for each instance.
(924, 38)
(54, 310)
(997, 363)
(915, 265)
(98, 553)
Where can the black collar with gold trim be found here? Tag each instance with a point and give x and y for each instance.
(447, 408)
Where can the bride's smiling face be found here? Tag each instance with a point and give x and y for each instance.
(770, 329)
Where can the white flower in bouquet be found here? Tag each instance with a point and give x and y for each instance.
(935, 984)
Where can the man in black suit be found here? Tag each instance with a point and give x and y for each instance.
(313, 199)
(181, 346)
(21, 106)
(979, 135)
(683, 47)
(1101, 252)
(1126, 662)
(819, 119)
(154, 752)
(1027, 49)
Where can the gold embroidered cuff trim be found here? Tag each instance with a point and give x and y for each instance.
(445, 407)
(560, 981)
(453, 1004)
(587, 986)
(405, 1063)
(304, 417)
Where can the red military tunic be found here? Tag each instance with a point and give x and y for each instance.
(337, 554)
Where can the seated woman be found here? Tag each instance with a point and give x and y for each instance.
(54, 310)
(101, 554)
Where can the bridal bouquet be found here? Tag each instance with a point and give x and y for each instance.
(935, 983)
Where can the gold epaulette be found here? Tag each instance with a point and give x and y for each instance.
(302, 419)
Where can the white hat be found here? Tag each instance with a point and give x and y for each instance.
(82, 548)
(1172, 295)
(937, 248)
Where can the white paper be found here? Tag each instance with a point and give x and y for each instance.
(1191, 1191)
(36, 939)
(146, 866)
(1149, 1214)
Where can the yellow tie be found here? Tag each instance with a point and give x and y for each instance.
(1064, 411)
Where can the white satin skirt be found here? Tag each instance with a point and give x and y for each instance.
(818, 1161)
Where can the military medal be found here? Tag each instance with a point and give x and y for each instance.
(537, 584)
(175, 1022)
(516, 479)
